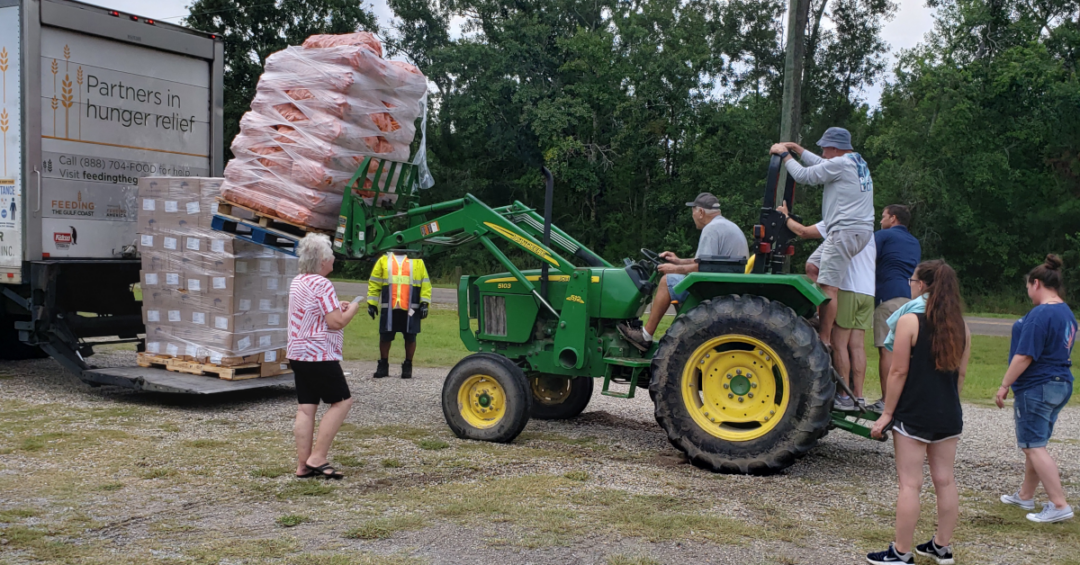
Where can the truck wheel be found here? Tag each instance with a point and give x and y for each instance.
(555, 397)
(486, 398)
(742, 385)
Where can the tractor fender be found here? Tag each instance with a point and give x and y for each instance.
(798, 292)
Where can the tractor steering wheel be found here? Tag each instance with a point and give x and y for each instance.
(653, 257)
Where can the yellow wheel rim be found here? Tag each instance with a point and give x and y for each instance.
(549, 389)
(481, 401)
(735, 387)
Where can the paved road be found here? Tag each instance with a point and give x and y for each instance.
(979, 326)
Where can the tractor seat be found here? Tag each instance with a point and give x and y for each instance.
(715, 264)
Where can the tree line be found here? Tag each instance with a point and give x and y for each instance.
(638, 105)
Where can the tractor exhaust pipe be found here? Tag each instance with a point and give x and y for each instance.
(549, 194)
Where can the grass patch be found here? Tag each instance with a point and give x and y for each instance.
(341, 558)
(432, 444)
(290, 520)
(205, 443)
(439, 343)
(349, 461)
(621, 559)
(40, 441)
(270, 472)
(242, 550)
(383, 528)
(157, 473)
(111, 487)
(305, 488)
(16, 514)
(577, 475)
(392, 464)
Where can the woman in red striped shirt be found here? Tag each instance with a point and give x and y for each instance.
(316, 322)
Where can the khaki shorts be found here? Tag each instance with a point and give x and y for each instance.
(854, 311)
(881, 317)
(837, 251)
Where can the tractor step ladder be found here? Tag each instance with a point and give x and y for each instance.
(636, 364)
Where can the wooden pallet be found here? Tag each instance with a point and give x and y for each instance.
(263, 219)
(180, 365)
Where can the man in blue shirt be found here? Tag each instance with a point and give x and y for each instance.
(898, 253)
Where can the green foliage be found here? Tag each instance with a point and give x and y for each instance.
(290, 520)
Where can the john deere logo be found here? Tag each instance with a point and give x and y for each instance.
(524, 243)
(575, 298)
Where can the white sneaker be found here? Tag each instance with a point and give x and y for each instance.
(1051, 513)
(1015, 500)
(844, 404)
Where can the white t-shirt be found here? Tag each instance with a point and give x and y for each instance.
(861, 276)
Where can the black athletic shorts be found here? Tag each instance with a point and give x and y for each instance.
(320, 380)
(389, 336)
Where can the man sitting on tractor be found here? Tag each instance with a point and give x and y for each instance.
(720, 237)
(847, 208)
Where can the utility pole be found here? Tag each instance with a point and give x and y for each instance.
(790, 122)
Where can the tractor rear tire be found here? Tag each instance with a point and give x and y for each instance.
(555, 397)
(709, 366)
(486, 397)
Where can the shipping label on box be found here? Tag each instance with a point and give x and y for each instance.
(150, 279)
(172, 279)
(221, 284)
(196, 244)
(146, 242)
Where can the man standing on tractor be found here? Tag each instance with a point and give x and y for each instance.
(854, 312)
(720, 237)
(400, 285)
(847, 208)
(899, 253)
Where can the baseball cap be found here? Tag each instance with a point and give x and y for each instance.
(839, 138)
(706, 201)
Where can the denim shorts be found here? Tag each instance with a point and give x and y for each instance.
(1036, 409)
(673, 280)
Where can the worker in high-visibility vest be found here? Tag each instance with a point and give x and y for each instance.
(400, 287)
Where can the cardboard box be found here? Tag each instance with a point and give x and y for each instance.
(274, 363)
(153, 187)
(145, 215)
(184, 186)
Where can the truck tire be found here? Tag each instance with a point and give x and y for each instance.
(486, 398)
(556, 397)
(743, 385)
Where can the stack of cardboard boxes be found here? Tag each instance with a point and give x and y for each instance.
(207, 296)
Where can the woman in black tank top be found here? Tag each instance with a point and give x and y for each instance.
(922, 407)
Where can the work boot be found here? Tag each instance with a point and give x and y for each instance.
(406, 370)
(635, 334)
(383, 370)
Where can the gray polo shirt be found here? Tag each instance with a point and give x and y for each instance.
(722, 238)
(848, 199)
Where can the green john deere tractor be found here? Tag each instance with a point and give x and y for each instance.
(740, 381)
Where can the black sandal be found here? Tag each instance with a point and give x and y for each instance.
(321, 471)
(309, 474)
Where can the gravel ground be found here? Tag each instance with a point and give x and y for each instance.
(829, 508)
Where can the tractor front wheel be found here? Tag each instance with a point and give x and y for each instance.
(742, 385)
(555, 397)
(487, 398)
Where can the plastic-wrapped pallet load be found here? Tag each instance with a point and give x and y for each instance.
(320, 109)
(208, 297)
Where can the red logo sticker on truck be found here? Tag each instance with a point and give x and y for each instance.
(65, 240)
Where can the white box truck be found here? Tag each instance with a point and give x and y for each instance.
(91, 99)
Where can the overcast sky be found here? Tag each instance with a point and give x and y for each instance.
(912, 21)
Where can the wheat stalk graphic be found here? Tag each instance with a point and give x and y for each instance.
(55, 103)
(3, 69)
(55, 69)
(79, 79)
(66, 97)
(67, 58)
(4, 129)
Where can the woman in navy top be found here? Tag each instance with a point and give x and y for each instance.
(1041, 378)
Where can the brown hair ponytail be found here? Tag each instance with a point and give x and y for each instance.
(1049, 274)
(944, 315)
